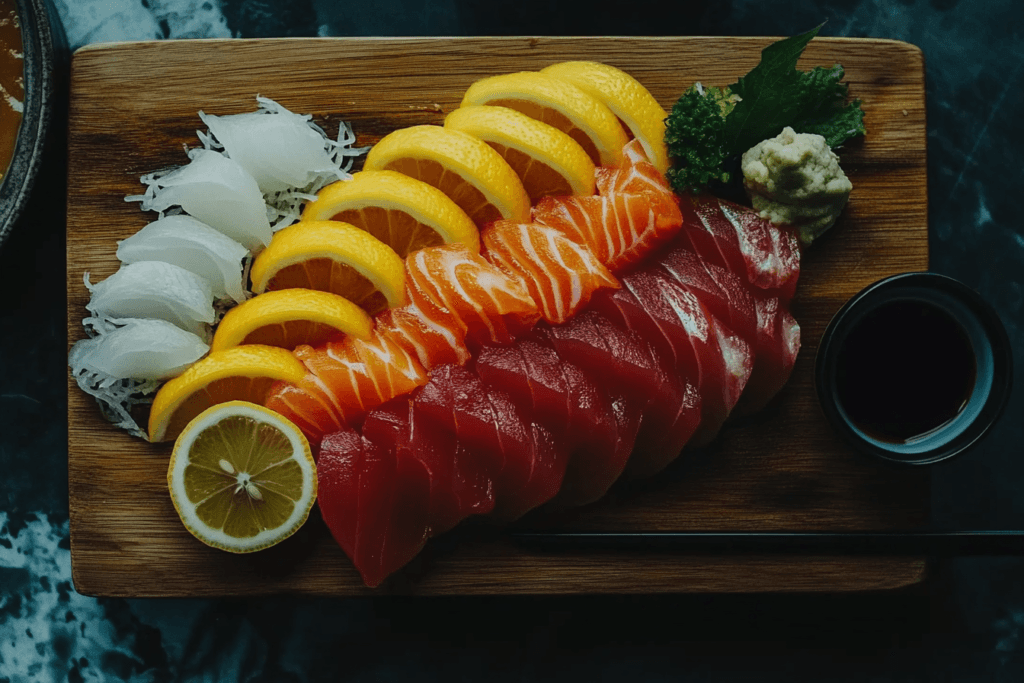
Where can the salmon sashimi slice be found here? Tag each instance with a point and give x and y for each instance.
(470, 296)
(309, 406)
(429, 341)
(738, 239)
(621, 229)
(636, 175)
(346, 378)
(560, 274)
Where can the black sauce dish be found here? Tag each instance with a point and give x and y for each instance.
(45, 54)
(914, 369)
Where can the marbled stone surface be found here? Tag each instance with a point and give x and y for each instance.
(966, 625)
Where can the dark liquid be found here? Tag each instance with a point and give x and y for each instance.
(905, 370)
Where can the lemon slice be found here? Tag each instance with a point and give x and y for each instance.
(243, 373)
(404, 213)
(628, 99)
(559, 103)
(548, 161)
(335, 257)
(289, 317)
(242, 477)
(465, 168)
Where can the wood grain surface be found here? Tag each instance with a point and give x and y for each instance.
(133, 110)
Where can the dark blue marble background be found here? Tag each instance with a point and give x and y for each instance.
(967, 624)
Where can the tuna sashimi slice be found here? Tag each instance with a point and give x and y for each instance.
(356, 488)
(456, 492)
(375, 503)
(623, 363)
(560, 274)
(337, 472)
(738, 239)
(560, 396)
(467, 294)
(777, 345)
(521, 457)
(720, 291)
(621, 229)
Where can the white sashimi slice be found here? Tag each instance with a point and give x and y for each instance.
(217, 191)
(141, 349)
(277, 147)
(186, 242)
(154, 289)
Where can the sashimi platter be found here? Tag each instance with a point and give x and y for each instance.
(344, 313)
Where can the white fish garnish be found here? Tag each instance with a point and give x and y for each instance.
(154, 289)
(276, 146)
(215, 190)
(191, 244)
(140, 349)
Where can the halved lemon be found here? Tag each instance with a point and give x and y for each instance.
(243, 373)
(404, 213)
(242, 477)
(628, 99)
(465, 168)
(289, 317)
(558, 103)
(548, 161)
(335, 257)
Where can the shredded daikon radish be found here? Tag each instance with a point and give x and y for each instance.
(215, 190)
(194, 246)
(153, 289)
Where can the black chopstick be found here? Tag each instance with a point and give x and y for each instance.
(918, 543)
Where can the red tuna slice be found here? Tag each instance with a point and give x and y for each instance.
(722, 292)
(617, 359)
(559, 273)
(738, 359)
(470, 296)
(457, 490)
(337, 472)
(738, 239)
(560, 396)
(778, 342)
(375, 502)
(621, 229)
(519, 456)
(624, 364)
(431, 343)
(357, 484)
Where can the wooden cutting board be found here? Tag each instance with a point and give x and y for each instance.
(133, 108)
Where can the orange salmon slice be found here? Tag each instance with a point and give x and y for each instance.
(559, 273)
(468, 295)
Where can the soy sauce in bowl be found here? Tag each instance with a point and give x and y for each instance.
(914, 369)
(906, 370)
